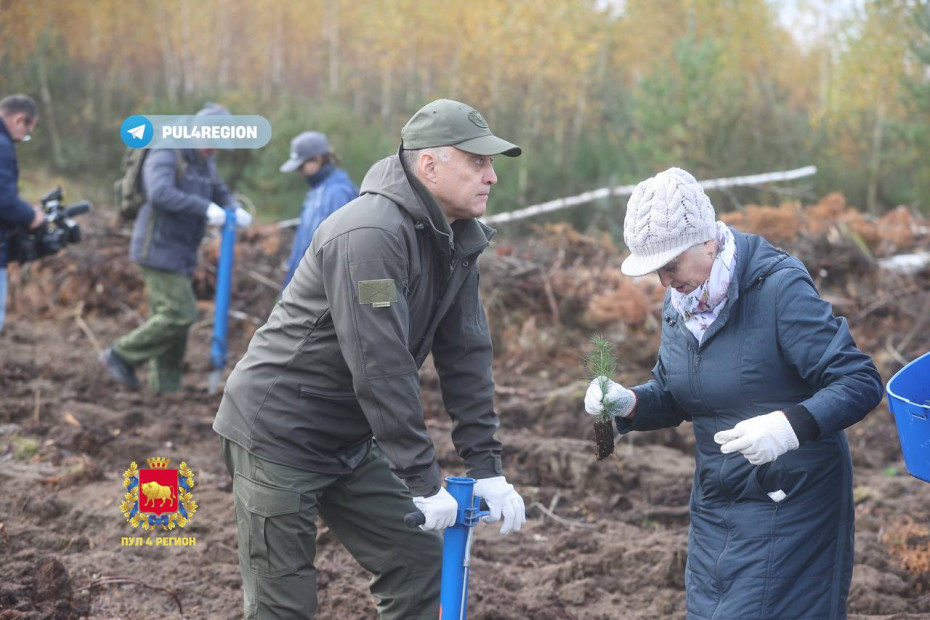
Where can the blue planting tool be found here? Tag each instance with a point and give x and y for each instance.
(224, 270)
(456, 547)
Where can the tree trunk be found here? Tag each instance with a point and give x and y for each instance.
(386, 94)
(224, 27)
(410, 92)
(331, 21)
(277, 49)
(186, 53)
(875, 161)
(46, 94)
(167, 55)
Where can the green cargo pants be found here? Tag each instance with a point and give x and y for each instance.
(276, 507)
(162, 339)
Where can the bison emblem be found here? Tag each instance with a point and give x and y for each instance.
(154, 491)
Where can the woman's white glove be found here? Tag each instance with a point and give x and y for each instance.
(761, 439)
(243, 218)
(623, 399)
(440, 510)
(503, 501)
(216, 215)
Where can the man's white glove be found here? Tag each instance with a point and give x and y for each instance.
(503, 501)
(440, 510)
(761, 439)
(216, 215)
(243, 218)
(622, 399)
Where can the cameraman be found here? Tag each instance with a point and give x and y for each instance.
(19, 115)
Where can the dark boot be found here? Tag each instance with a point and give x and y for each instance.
(119, 368)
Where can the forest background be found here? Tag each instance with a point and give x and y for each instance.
(597, 93)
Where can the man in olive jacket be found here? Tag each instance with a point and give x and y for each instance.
(325, 404)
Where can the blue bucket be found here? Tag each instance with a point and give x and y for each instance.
(909, 401)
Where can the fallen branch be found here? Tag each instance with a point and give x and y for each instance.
(512, 391)
(242, 316)
(894, 353)
(112, 581)
(550, 297)
(626, 190)
(275, 286)
(38, 395)
(78, 311)
(806, 191)
(130, 310)
(919, 326)
(567, 522)
(233, 314)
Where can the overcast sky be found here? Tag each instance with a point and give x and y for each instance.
(808, 19)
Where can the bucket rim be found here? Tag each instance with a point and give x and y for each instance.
(897, 374)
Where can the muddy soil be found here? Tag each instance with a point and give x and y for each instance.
(602, 540)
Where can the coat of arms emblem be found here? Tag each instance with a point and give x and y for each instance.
(158, 496)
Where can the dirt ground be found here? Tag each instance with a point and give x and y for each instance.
(602, 539)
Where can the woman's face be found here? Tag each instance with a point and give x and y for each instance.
(690, 269)
(311, 166)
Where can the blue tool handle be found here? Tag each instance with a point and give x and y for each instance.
(224, 272)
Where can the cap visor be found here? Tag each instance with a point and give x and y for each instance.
(290, 165)
(489, 145)
(641, 265)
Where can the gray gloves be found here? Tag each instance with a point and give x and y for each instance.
(622, 399)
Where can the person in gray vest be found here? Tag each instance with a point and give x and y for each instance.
(182, 198)
(754, 358)
(322, 416)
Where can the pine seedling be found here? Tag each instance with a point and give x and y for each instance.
(601, 365)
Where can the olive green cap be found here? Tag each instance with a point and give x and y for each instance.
(449, 123)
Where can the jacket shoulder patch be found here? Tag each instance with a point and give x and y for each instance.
(378, 293)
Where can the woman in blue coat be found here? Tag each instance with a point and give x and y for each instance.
(330, 188)
(769, 378)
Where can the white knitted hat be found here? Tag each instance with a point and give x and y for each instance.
(666, 215)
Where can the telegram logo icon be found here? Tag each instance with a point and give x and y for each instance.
(136, 131)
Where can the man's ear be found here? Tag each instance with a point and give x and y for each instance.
(427, 167)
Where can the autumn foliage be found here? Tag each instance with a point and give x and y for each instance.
(908, 544)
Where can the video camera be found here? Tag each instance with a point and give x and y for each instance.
(56, 232)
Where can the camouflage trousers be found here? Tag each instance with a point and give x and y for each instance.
(162, 339)
(276, 510)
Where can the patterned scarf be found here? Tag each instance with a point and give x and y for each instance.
(701, 307)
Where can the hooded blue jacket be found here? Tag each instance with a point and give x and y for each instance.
(322, 200)
(14, 211)
(776, 345)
